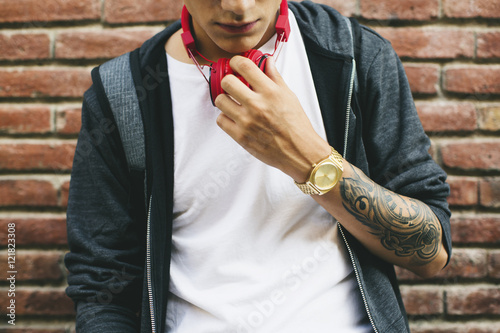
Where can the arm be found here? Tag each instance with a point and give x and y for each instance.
(104, 237)
(270, 124)
(399, 229)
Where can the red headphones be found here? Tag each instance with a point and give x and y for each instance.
(221, 68)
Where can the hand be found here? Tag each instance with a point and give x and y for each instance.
(268, 120)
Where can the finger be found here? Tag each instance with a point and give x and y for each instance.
(225, 123)
(228, 125)
(250, 72)
(237, 89)
(229, 106)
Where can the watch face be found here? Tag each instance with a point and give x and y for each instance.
(326, 176)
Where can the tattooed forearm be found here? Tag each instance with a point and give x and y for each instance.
(405, 226)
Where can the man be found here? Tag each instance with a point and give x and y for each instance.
(270, 210)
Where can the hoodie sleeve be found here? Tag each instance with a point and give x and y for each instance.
(105, 226)
(396, 145)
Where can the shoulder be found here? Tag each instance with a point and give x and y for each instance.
(324, 27)
(155, 46)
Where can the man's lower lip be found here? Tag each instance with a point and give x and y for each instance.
(238, 29)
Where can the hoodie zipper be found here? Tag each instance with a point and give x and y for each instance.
(351, 255)
(348, 109)
(148, 267)
(358, 279)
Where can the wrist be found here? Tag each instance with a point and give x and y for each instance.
(324, 175)
(303, 168)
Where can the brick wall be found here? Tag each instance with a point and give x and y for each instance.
(451, 52)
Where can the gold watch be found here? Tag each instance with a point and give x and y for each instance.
(324, 175)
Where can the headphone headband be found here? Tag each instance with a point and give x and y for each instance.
(282, 26)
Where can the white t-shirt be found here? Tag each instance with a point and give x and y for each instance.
(250, 251)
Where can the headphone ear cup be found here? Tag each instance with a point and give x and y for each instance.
(217, 72)
(257, 57)
(222, 68)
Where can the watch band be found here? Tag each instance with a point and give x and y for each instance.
(336, 157)
(308, 187)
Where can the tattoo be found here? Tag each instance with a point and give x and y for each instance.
(405, 226)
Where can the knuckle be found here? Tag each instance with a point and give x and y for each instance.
(262, 112)
(246, 65)
(226, 81)
(253, 104)
(246, 122)
(220, 121)
(242, 64)
(220, 101)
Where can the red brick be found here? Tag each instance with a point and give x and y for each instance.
(25, 119)
(24, 46)
(41, 82)
(128, 11)
(478, 79)
(34, 266)
(422, 300)
(472, 154)
(464, 264)
(488, 45)
(494, 264)
(489, 192)
(476, 229)
(64, 194)
(99, 44)
(423, 78)
(489, 117)
(43, 156)
(421, 43)
(474, 300)
(69, 120)
(49, 10)
(346, 7)
(27, 192)
(400, 10)
(36, 231)
(447, 116)
(433, 151)
(40, 301)
(464, 191)
(471, 8)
